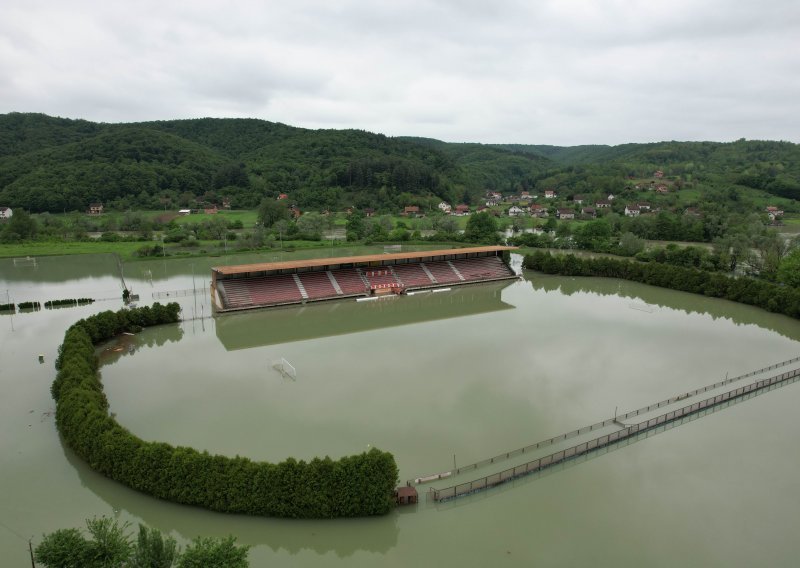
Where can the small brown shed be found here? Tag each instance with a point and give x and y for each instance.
(406, 495)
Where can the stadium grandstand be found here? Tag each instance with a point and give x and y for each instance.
(268, 284)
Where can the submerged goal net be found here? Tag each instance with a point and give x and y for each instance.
(27, 261)
(285, 368)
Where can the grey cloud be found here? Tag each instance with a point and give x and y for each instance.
(584, 71)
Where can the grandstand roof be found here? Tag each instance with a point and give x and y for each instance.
(312, 262)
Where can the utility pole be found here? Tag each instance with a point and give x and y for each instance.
(30, 548)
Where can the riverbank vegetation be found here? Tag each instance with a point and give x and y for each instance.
(774, 297)
(351, 486)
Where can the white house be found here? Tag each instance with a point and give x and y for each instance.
(6, 213)
(549, 194)
(445, 207)
(632, 211)
(515, 211)
(611, 197)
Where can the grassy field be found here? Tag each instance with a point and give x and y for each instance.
(126, 250)
(248, 218)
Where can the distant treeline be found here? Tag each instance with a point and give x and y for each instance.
(29, 306)
(352, 486)
(776, 298)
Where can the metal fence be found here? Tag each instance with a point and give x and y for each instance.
(595, 426)
(603, 441)
(180, 293)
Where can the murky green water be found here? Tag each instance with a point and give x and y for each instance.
(467, 373)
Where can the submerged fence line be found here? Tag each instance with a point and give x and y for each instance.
(596, 425)
(604, 441)
(179, 293)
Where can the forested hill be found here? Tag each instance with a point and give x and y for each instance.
(759, 164)
(55, 164)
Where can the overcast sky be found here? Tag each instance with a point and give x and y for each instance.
(540, 72)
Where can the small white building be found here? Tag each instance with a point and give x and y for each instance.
(444, 207)
(549, 194)
(6, 212)
(632, 211)
(184, 211)
(515, 211)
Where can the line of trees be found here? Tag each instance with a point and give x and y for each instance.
(358, 485)
(776, 298)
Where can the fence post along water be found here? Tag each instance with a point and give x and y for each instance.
(628, 431)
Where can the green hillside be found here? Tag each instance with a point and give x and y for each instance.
(55, 164)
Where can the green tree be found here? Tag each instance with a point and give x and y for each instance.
(153, 550)
(355, 226)
(630, 244)
(789, 269)
(481, 228)
(312, 224)
(271, 210)
(214, 553)
(110, 546)
(64, 548)
(20, 227)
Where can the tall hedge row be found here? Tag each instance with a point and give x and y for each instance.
(352, 486)
(767, 295)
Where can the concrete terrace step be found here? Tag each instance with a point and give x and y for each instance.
(300, 286)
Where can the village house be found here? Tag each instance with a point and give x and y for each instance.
(662, 188)
(461, 210)
(773, 213)
(283, 196)
(411, 211)
(444, 207)
(226, 203)
(563, 213)
(549, 194)
(588, 212)
(632, 211)
(95, 208)
(658, 174)
(578, 199)
(184, 211)
(603, 204)
(538, 210)
(644, 206)
(525, 195)
(369, 212)
(515, 211)
(295, 211)
(610, 197)
(6, 213)
(493, 198)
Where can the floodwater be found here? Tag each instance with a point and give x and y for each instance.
(436, 378)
